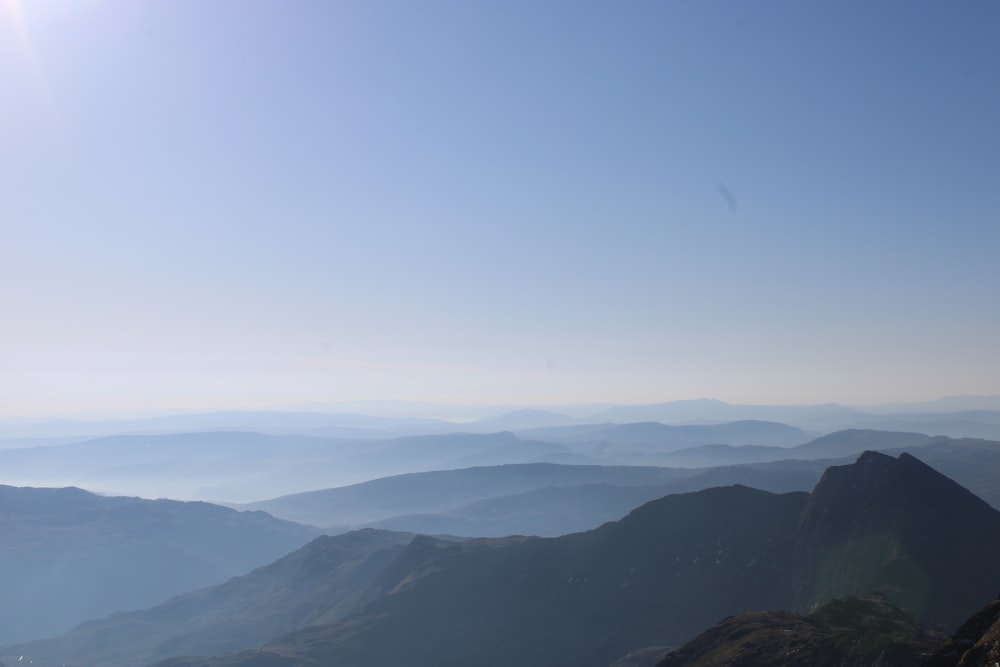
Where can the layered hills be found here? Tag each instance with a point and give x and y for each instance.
(68, 555)
(320, 583)
(550, 499)
(657, 577)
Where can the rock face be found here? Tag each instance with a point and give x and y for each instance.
(851, 632)
(976, 644)
(897, 526)
(842, 633)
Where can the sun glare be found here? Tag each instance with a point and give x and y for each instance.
(20, 26)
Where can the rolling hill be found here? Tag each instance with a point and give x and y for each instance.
(68, 555)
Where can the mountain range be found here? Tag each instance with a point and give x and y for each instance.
(549, 499)
(68, 555)
(656, 578)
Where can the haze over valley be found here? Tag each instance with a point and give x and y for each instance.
(476, 334)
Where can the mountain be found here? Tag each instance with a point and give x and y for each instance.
(849, 632)
(645, 438)
(668, 570)
(978, 424)
(247, 466)
(975, 644)
(446, 490)
(549, 512)
(557, 510)
(898, 526)
(665, 570)
(520, 420)
(552, 499)
(320, 583)
(974, 463)
(822, 417)
(840, 444)
(223, 464)
(68, 555)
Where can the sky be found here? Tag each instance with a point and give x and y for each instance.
(245, 204)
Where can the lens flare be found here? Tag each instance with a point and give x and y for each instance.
(19, 24)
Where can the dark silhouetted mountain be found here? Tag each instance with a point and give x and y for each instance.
(898, 526)
(851, 632)
(657, 576)
(320, 583)
(842, 633)
(975, 644)
(668, 570)
(446, 490)
(68, 555)
(975, 464)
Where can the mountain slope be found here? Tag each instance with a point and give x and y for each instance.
(68, 555)
(975, 644)
(320, 583)
(897, 525)
(848, 632)
(445, 490)
(668, 570)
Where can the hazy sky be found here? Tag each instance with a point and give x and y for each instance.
(242, 203)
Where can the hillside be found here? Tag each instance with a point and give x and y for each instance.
(668, 570)
(68, 555)
(445, 490)
(320, 583)
(849, 632)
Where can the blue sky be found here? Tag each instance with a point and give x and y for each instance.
(247, 204)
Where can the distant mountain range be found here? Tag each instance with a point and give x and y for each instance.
(68, 555)
(550, 499)
(972, 416)
(247, 466)
(444, 490)
(656, 578)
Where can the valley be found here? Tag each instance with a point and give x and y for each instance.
(518, 561)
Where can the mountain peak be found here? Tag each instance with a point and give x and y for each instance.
(892, 525)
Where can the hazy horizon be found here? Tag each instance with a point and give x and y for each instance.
(252, 204)
(470, 412)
